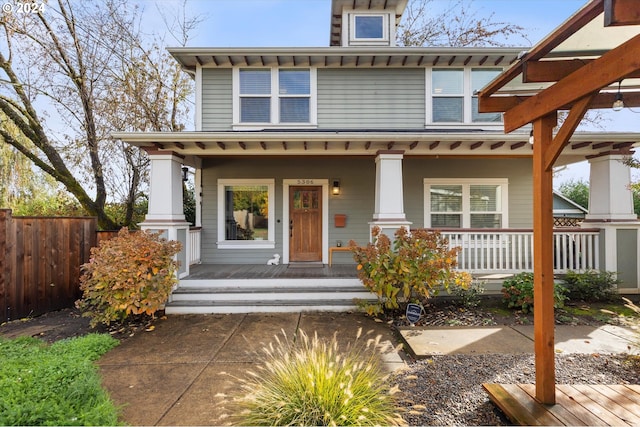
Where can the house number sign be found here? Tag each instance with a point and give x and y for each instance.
(305, 182)
(414, 312)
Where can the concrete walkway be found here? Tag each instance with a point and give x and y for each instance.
(185, 371)
(425, 342)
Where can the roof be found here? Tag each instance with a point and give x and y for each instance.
(333, 57)
(435, 143)
(337, 6)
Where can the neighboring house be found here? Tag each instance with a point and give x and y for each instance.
(299, 150)
(566, 212)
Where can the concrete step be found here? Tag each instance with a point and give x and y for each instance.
(252, 296)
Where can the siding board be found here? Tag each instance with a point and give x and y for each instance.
(353, 98)
(217, 99)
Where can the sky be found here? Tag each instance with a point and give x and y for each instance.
(299, 23)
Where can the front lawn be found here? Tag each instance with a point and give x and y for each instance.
(54, 384)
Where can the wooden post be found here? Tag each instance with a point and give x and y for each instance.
(543, 315)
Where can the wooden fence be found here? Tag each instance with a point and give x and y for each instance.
(40, 259)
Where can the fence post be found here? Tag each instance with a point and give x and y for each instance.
(5, 262)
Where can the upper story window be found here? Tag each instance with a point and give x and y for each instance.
(369, 28)
(453, 95)
(274, 96)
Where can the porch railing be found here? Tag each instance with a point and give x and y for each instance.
(511, 250)
(194, 245)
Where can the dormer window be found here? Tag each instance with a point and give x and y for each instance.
(369, 29)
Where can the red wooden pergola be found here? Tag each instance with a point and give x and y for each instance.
(586, 63)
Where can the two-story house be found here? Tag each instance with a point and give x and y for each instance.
(297, 151)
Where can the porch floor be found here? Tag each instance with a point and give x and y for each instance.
(262, 271)
(579, 405)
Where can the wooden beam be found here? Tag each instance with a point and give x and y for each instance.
(367, 145)
(200, 145)
(497, 145)
(580, 19)
(390, 145)
(433, 145)
(179, 145)
(580, 145)
(263, 145)
(621, 12)
(284, 145)
(569, 126)
(543, 315)
(326, 145)
(476, 145)
(242, 145)
(610, 67)
(305, 145)
(517, 145)
(603, 100)
(455, 145)
(600, 145)
(413, 145)
(158, 146)
(552, 71)
(346, 145)
(221, 145)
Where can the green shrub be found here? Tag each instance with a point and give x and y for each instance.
(591, 286)
(311, 382)
(467, 296)
(132, 273)
(416, 266)
(56, 385)
(517, 293)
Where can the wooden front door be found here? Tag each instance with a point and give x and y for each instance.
(305, 223)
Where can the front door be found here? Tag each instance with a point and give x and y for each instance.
(305, 223)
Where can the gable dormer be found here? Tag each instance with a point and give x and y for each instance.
(365, 22)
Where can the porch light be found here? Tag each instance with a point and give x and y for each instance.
(185, 174)
(531, 137)
(618, 104)
(335, 188)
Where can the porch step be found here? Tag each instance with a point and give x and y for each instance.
(266, 296)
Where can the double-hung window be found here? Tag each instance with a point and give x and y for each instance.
(453, 95)
(466, 203)
(246, 216)
(274, 96)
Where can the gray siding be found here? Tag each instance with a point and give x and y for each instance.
(627, 258)
(371, 98)
(517, 171)
(357, 177)
(217, 99)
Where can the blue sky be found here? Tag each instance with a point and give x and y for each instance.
(288, 23)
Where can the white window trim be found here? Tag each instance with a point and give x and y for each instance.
(467, 119)
(466, 209)
(384, 40)
(271, 218)
(275, 97)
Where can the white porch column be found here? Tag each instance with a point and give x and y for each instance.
(166, 213)
(611, 210)
(610, 197)
(389, 195)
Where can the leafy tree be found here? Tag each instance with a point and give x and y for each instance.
(72, 73)
(457, 25)
(577, 191)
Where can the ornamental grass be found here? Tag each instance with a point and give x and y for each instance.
(310, 381)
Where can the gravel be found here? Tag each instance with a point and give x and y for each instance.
(447, 390)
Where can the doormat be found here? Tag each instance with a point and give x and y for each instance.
(306, 265)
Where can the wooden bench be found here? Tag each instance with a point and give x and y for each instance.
(333, 249)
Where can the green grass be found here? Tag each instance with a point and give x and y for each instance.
(54, 385)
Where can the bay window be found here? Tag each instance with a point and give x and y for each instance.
(466, 203)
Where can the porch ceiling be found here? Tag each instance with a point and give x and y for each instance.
(337, 57)
(339, 143)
